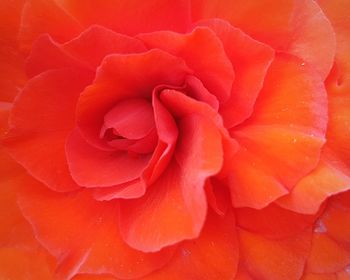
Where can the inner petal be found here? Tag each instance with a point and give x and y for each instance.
(131, 119)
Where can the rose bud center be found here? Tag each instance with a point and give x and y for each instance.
(130, 126)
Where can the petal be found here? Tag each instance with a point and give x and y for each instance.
(137, 76)
(83, 234)
(295, 123)
(46, 55)
(149, 15)
(176, 201)
(250, 182)
(337, 12)
(167, 136)
(274, 259)
(20, 264)
(45, 16)
(328, 178)
(40, 121)
(91, 167)
(212, 256)
(209, 63)
(250, 60)
(326, 256)
(96, 42)
(285, 223)
(294, 26)
(132, 118)
(316, 276)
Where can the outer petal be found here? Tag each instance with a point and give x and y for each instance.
(83, 234)
(11, 60)
(330, 252)
(212, 256)
(289, 118)
(40, 122)
(250, 60)
(274, 259)
(330, 177)
(45, 16)
(209, 63)
(148, 15)
(295, 26)
(285, 223)
(92, 45)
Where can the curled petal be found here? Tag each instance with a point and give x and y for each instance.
(209, 63)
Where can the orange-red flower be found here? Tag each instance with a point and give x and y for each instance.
(188, 139)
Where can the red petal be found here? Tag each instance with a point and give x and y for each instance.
(148, 15)
(250, 60)
(173, 208)
(40, 122)
(92, 45)
(209, 62)
(294, 26)
(176, 201)
(122, 77)
(91, 167)
(11, 59)
(47, 55)
(133, 189)
(285, 223)
(83, 234)
(45, 16)
(212, 256)
(132, 118)
(282, 259)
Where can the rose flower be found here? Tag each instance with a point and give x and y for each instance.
(188, 139)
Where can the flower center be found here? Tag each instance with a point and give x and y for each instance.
(130, 126)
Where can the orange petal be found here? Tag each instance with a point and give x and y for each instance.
(336, 219)
(285, 223)
(40, 122)
(149, 15)
(328, 178)
(274, 259)
(212, 256)
(326, 256)
(281, 142)
(83, 234)
(209, 62)
(294, 26)
(19, 264)
(250, 60)
(316, 276)
(337, 12)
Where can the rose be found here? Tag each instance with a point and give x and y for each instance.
(132, 136)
